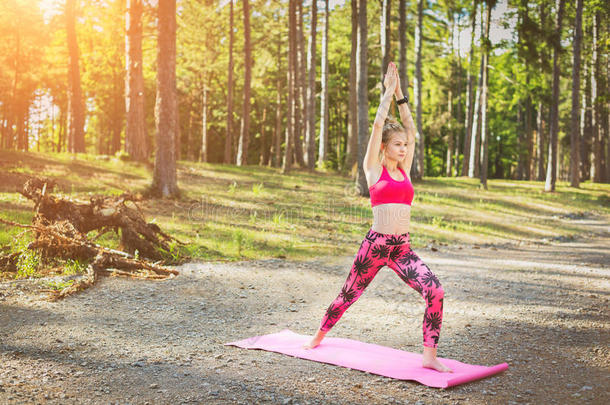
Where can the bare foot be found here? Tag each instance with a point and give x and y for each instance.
(436, 365)
(315, 341)
(311, 344)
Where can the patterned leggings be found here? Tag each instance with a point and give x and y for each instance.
(392, 250)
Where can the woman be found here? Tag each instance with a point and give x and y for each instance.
(387, 243)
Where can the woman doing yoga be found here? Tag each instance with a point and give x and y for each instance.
(388, 243)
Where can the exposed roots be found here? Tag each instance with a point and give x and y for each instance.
(60, 227)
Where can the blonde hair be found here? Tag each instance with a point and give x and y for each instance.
(390, 127)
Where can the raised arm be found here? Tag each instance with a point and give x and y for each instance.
(371, 158)
(409, 124)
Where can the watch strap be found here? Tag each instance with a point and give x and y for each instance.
(402, 100)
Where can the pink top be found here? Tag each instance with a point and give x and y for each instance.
(388, 190)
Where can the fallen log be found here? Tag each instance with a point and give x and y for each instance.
(60, 228)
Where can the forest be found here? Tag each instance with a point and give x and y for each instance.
(511, 89)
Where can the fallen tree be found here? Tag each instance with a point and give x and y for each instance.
(61, 226)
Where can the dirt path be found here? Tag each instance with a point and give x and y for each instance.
(543, 308)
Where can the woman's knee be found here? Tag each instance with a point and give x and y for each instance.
(434, 292)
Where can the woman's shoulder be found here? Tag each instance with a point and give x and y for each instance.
(374, 173)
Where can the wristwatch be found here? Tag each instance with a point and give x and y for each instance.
(402, 100)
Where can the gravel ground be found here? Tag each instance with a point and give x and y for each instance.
(543, 308)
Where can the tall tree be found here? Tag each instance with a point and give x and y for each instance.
(166, 107)
(384, 35)
(76, 104)
(473, 166)
(484, 136)
(351, 154)
(363, 99)
(136, 139)
(204, 152)
(287, 162)
(596, 149)
(582, 158)
(244, 135)
(469, 106)
(324, 111)
(228, 156)
(419, 168)
(551, 169)
(526, 50)
(402, 34)
(458, 113)
(574, 124)
(450, 130)
(310, 125)
(277, 135)
(607, 126)
(300, 87)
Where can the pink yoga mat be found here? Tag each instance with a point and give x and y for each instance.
(369, 357)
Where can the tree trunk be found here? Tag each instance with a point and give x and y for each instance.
(449, 153)
(551, 169)
(190, 132)
(287, 163)
(310, 115)
(384, 35)
(473, 165)
(607, 124)
(61, 135)
(419, 169)
(527, 158)
(9, 136)
(582, 147)
(574, 124)
(228, 156)
(596, 155)
(352, 123)
(402, 34)
(22, 113)
(265, 149)
(244, 134)
(300, 87)
(76, 105)
(469, 107)
(484, 134)
(323, 147)
(116, 124)
(166, 107)
(278, 111)
(363, 100)
(136, 139)
(540, 142)
(204, 152)
(458, 113)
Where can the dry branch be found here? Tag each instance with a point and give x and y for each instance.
(60, 227)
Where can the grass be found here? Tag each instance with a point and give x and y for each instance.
(228, 212)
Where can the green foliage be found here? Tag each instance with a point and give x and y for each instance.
(519, 69)
(232, 187)
(239, 237)
(74, 267)
(27, 264)
(257, 188)
(59, 285)
(278, 218)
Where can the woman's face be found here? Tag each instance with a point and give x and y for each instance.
(396, 148)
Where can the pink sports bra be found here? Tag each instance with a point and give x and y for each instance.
(388, 190)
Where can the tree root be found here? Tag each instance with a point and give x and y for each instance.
(60, 227)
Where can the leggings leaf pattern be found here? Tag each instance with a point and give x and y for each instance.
(376, 251)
